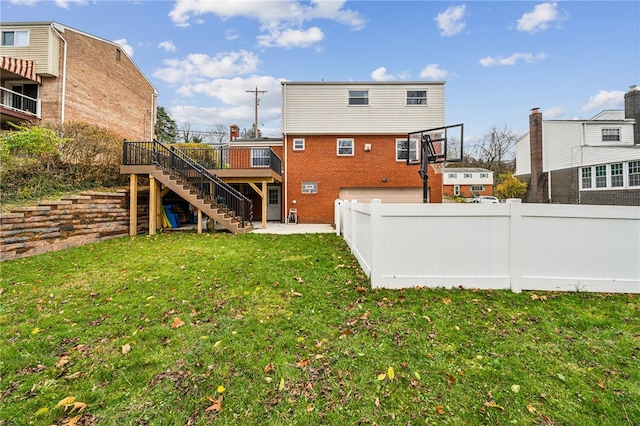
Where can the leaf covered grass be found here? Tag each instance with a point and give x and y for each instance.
(263, 329)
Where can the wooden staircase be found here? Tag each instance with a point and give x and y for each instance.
(207, 205)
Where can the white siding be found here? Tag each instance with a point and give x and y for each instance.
(593, 133)
(43, 48)
(475, 178)
(523, 156)
(322, 108)
(560, 141)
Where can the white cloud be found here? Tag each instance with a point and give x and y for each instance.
(167, 46)
(380, 74)
(291, 38)
(540, 18)
(433, 71)
(553, 112)
(125, 46)
(511, 60)
(451, 21)
(198, 67)
(605, 100)
(282, 20)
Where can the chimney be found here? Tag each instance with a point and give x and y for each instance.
(537, 187)
(632, 110)
(234, 132)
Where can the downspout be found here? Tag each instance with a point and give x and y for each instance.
(64, 74)
(152, 116)
(285, 141)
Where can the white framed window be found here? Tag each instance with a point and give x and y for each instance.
(484, 175)
(601, 176)
(416, 97)
(345, 147)
(617, 175)
(358, 97)
(456, 190)
(452, 175)
(610, 134)
(309, 187)
(15, 38)
(259, 157)
(406, 149)
(633, 173)
(586, 178)
(298, 144)
(477, 187)
(468, 176)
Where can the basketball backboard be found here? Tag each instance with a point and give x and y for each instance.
(438, 145)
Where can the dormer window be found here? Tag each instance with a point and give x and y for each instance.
(610, 134)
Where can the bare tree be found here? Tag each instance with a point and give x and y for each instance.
(187, 134)
(496, 149)
(220, 134)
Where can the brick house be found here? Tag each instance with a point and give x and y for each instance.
(348, 140)
(467, 181)
(595, 161)
(54, 72)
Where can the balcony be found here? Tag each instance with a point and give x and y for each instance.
(15, 106)
(232, 164)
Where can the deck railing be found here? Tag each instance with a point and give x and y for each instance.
(19, 102)
(209, 186)
(225, 157)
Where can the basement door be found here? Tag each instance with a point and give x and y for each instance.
(274, 203)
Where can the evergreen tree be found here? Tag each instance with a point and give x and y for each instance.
(166, 128)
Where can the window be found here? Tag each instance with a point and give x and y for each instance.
(404, 149)
(345, 146)
(15, 38)
(456, 189)
(484, 175)
(453, 175)
(468, 175)
(309, 187)
(601, 176)
(611, 134)
(617, 177)
(477, 187)
(298, 144)
(586, 177)
(634, 173)
(358, 97)
(118, 54)
(260, 157)
(416, 97)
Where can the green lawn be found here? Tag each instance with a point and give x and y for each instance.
(181, 328)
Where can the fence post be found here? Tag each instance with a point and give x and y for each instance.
(354, 226)
(376, 247)
(515, 244)
(337, 214)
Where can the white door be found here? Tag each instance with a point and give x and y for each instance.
(274, 203)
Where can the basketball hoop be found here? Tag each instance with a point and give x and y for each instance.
(438, 168)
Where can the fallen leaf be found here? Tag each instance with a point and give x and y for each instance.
(450, 379)
(391, 373)
(546, 419)
(515, 388)
(531, 408)
(561, 377)
(281, 385)
(176, 323)
(42, 411)
(377, 402)
(602, 384)
(493, 405)
(218, 343)
(62, 362)
(221, 389)
(534, 296)
(217, 404)
(302, 363)
(73, 421)
(360, 289)
(74, 375)
(36, 330)
(80, 406)
(269, 368)
(126, 349)
(309, 408)
(66, 401)
(382, 376)
(439, 409)
(446, 301)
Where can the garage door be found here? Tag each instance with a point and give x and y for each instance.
(387, 195)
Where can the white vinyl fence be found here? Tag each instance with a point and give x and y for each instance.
(495, 246)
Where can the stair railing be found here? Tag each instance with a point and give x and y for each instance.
(208, 186)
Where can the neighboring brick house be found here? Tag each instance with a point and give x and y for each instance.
(594, 161)
(54, 72)
(348, 140)
(467, 181)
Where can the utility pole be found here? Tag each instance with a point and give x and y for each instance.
(257, 102)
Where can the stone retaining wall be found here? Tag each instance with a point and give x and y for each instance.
(69, 222)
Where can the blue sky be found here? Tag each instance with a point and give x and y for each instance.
(499, 59)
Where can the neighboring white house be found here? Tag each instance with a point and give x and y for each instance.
(595, 161)
(467, 181)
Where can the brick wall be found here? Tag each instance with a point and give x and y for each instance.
(564, 186)
(319, 162)
(629, 197)
(100, 89)
(69, 222)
